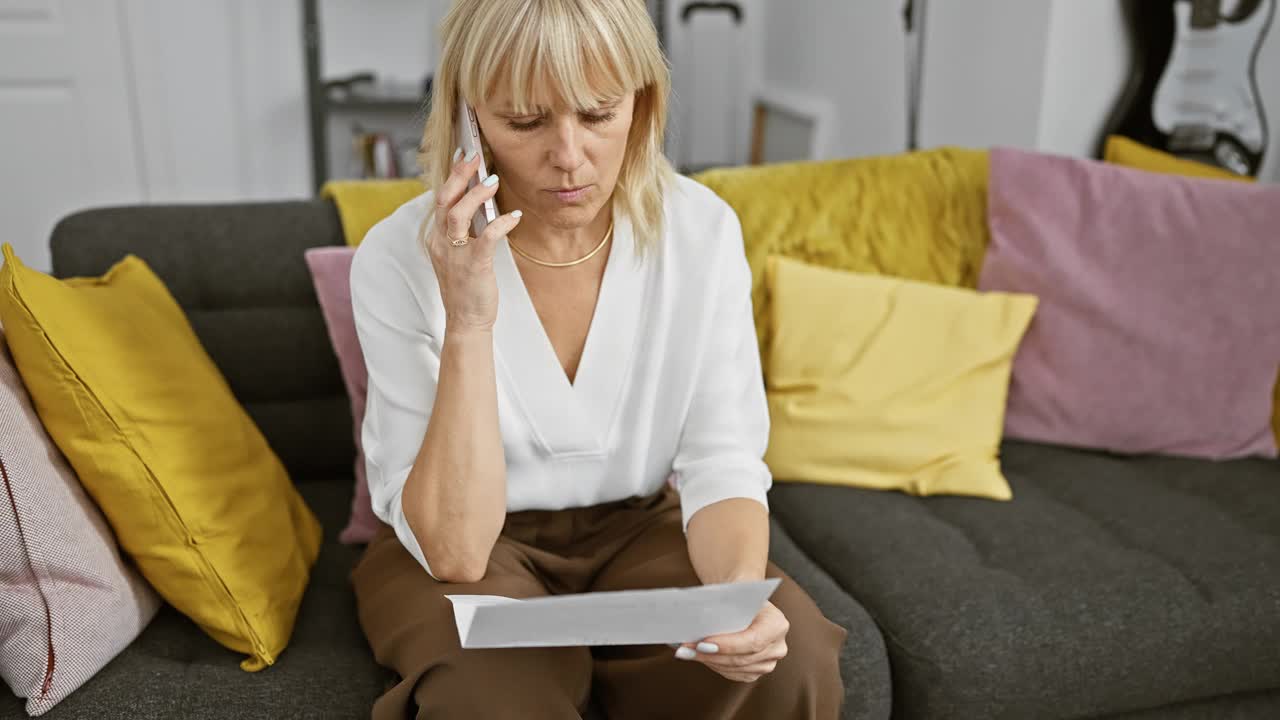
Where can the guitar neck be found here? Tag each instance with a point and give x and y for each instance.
(1205, 14)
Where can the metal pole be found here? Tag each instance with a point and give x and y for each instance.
(315, 94)
(913, 15)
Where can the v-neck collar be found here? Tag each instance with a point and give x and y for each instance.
(578, 418)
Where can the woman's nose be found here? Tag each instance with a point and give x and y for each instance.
(566, 150)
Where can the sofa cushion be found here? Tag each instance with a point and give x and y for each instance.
(1120, 150)
(1261, 705)
(363, 203)
(864, 664)
(905, 393)
(237, 271)
(174, 671)
(1108, 584)
(69, 600)
(918, 215)
(1155, 331)
(1129, 153)
(190, 487)
(331, 273)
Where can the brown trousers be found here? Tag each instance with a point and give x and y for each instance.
(631, 544)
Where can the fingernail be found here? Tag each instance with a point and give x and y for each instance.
(457, 154)
(471, 154)
(685, 653)
(708, 648)
(517, 214)
(491, 181)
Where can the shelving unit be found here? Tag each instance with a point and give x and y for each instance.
(373, 103)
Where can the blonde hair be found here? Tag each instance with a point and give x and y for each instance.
(576, 52)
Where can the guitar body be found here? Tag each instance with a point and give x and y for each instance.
(1193, 91)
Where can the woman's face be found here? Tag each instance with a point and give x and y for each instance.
(540, 157)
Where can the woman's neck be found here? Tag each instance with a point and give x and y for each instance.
(556, 244)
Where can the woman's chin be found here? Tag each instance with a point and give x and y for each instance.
(570, 217)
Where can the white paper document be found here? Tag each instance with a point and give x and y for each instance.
(625, 617)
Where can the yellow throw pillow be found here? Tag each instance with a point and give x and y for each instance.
(887, 383)
(187, 481)
(363, 203)
(918, 215)
(1121, 150)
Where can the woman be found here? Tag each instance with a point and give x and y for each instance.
(531, 390)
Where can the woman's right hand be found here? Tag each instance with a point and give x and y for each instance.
(468, 285)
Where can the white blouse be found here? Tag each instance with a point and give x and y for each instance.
(669, 380)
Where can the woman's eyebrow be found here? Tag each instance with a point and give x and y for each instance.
(509, 110)
(535, 109)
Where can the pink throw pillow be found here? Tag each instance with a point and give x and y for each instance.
(69, 602)
(1157, 330)
(331, 275)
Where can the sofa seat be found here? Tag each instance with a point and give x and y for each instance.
(1107, 586)
(174, 670)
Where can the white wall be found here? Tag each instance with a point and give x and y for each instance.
(715, 65)
(66, 119)
(984, 72)
(221, 89)
(1089, 59)
(981, 86)
(221, 99)
(214, 108)
(148, 101)
(220, 103)
(1042, 74)
(1268, 74)
(1049, 83)
(848, 54)
(394, 38)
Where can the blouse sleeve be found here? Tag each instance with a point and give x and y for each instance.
(726, 431)
(403, 361)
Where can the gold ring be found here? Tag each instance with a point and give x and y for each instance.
(459, 242)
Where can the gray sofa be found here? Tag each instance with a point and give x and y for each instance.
(1110, 587)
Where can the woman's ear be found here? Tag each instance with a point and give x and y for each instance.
(489, 162)
(485, 150)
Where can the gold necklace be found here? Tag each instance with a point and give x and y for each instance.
(608, 233)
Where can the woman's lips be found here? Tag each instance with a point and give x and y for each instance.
(569, 196)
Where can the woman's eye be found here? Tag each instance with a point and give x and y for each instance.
(523, 126)
(598, 118)
(588, 118)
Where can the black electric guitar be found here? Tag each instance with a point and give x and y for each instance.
(1193, 92)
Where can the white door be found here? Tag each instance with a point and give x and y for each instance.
(66, 118)
(712, 47)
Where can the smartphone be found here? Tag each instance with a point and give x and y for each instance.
(469, 140)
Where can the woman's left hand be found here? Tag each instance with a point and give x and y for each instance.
(747, 655)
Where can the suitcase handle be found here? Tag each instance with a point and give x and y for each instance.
(732, 8)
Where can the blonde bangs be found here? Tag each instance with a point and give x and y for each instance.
(577, 54)
(554, 49)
